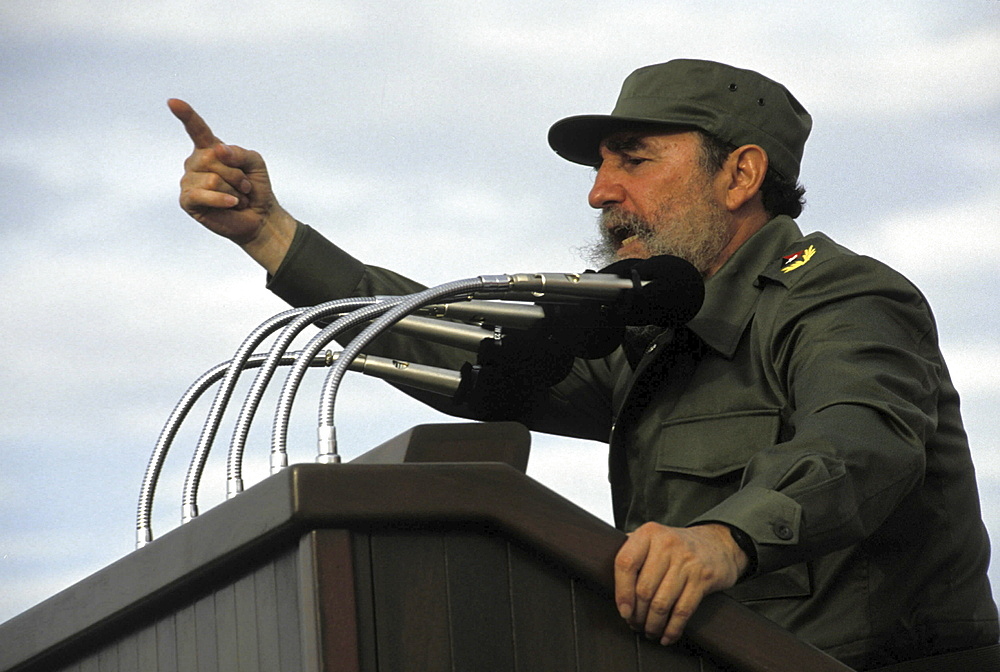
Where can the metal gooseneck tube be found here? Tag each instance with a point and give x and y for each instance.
(279, 429)
(326, 432)
(189, 506)
(144, 532)
(234, 461)
(383, 311)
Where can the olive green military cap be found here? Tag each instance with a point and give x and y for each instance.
(738, 106)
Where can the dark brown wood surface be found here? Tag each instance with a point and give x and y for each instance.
(454, 599)
(278, 512)
(500, 497)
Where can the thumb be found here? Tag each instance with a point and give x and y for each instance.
(236, 157)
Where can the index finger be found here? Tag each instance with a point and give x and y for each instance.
(628, 563)
(196, 128)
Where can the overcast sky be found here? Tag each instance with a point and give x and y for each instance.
(413, 134)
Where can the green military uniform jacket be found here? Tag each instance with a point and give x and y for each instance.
(806, 404)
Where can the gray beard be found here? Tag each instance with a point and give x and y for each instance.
(698, 238)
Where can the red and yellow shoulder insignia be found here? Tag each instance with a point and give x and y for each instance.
(793, 261)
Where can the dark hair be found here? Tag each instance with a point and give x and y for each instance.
(779, 195)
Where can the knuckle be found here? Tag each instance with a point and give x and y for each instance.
(213, 181)
(649, 528)
(195, 161)
(625, 561)
(667, 544)
(674, 630)
(682, 613)
(660, 607)
(186, 198)
(671, 635)
(646, 593)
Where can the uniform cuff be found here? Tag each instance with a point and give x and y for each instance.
(770, 519)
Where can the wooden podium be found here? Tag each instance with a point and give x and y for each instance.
(421, 566)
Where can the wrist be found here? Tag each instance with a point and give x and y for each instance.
(269, 247)
(740, 547)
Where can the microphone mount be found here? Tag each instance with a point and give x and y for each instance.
(526, 347)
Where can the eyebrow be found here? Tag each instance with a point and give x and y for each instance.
(627, 143)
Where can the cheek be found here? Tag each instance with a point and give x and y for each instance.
(661, 210)
(649, 203)
(668, 194)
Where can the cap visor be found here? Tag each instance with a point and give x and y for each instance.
(578, 139)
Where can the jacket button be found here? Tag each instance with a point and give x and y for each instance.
(783, 532)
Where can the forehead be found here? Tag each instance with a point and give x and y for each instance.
(650, 139)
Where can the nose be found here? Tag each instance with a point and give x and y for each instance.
(607, 189)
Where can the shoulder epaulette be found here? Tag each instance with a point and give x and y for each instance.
(801, 256)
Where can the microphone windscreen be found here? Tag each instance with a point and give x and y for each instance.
(622, 268)
(528, 359)
(672, 296)
(589, 330)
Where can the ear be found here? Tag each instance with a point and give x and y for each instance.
(744, 174)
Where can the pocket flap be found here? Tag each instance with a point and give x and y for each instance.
(714, 445)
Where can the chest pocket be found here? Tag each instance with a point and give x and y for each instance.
(718, 445)
(710, 453)
(698, 461)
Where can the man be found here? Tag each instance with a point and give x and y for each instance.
(798, 444)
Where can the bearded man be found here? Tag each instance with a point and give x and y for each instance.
(798, 444)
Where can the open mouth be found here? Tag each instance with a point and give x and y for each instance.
(621, 228)
(620, 236)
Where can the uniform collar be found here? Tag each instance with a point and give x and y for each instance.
(731, 294)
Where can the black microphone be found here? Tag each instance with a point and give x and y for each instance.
(491, 389)
(664, 288)
(512, 366)
(419, 376)
(608, 287)
(547, 350)
(665, 291)
(535, 359)
(668, 291)
(586, 329)
(533, 346)
(465, 336)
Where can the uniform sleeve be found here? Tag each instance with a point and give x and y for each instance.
(854, 350)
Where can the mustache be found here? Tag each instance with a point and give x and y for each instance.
(618, 226)
(615, 226)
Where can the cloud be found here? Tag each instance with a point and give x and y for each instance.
(905, 78)
(975, 368)
(413, 134)
(436, 224)
(179, 21)
(577, 470)
(113, 329)
(866, 70)
(957, 239)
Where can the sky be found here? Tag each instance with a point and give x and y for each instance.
(413, 135)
